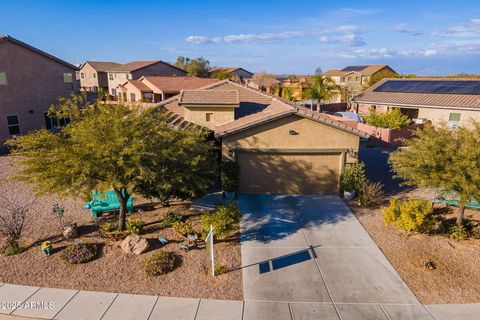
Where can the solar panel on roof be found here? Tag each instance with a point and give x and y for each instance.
(354, 68)
(430, 86)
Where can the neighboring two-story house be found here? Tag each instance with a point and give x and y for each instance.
(355, 79)
(118, 75)
(30, 81)
(93, 75)
(235, 74)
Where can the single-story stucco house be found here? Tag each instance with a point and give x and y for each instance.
(281, 148)
(449, 100)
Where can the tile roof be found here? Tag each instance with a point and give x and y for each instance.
(101, 66)
(175, 84)
(469, 101)
(139, 85)
(222, 97)
(6, 37)
(136, 65)
(257, 107)
(367, 70)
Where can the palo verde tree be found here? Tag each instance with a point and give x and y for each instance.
(442, 158)
(321, 89)
(108, 146)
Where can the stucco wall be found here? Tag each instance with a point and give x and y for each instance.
(275, 135)
(34, 83)
(219, 115)
(92, 78)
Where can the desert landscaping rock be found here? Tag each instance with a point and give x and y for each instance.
(134, 244)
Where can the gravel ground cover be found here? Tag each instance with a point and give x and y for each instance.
(455, 278)
(113, 270)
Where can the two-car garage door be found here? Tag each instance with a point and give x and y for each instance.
(289, 173)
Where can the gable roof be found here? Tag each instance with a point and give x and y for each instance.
(101, 66)
(366, 70)
(406, 97)
(136, 65)
(139, 85)
(215, 97)
(176, 84)
(6, 37)
(255, 108)
(228, 70)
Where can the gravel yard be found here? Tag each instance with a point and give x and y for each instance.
(456, 278)
(114, 270)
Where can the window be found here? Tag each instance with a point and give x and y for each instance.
(454, 120)
(114, 92)
(3, 79)
(342, 79)
(132, 97)
(124, 96)
(208, 116)
(68, 79)
(52, 122)
(94, 75)
(357, 79)
(82, 75)
(128, 76)
(13, 125)
(110, 76)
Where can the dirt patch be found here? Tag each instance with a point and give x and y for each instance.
(455, 277)
(113, 270)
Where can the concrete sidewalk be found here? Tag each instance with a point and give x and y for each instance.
(72, 304)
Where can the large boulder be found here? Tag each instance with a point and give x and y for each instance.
(134, 244)
(70, 231)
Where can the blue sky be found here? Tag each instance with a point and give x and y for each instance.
(423, 37)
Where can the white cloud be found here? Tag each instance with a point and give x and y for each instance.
(472, 28)
(196, 39)
(387, 53)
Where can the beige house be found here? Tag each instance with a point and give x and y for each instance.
(232, 73)
(156, 89)
(274, 141)
(355, 79)
(118, 75)
(30, 81)
(93, 75)
(448, 100)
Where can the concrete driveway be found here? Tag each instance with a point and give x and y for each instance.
(313, 249)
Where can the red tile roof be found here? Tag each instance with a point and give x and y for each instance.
(215, 97)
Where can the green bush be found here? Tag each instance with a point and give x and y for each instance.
(230, 176)
(220, 269)
(172, 217)
(475, 232)
(410, 215)
(184, 228)
(370, 194)
(225, 221)
(392, 119)
(457, 233)
(79, 253)
(159, 263)
(353, 177)
(135, 226)
(107, 227)
(12, 250)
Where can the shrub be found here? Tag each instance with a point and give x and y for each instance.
(135, 226)
(457, 233)
(230, 176)
(184, 228)
(15, 209)
(475, 232)
(172, 217)
(116, 235)
(353, 177)
(392, 119)
(159, 263)
(225, 220)
(409, 215)
(220, 269)
(107, 227)
(12, 250)
(370, 194)
(79, 253)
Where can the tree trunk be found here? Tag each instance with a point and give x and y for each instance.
(123, 207)
(460, 214)
(319, 109)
